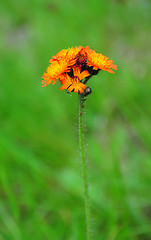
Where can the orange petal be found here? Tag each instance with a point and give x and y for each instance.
(76, 71)
(70, 88)
(82, 85)
(84, 74)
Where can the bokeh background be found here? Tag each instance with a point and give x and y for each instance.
(41, 194)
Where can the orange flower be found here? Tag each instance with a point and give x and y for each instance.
(99, 61)
(53, 72)
(66, 54)
(80, 59)
(60, 64)
(74, 83)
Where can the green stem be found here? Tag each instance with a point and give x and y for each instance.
(83, 163)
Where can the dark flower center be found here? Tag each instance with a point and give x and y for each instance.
(81, 59)
(75, 79)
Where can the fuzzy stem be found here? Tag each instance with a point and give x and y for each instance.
(83, 163)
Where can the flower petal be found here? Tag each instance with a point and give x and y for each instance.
(84, 74)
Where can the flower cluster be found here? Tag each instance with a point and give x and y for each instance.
(72, 65)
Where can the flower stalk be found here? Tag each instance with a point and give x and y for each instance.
(83, 164)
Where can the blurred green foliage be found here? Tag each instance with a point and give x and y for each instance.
(40, 175)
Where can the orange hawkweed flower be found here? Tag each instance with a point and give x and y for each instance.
(53, 72)
(60, 64)
(74, 83)
(99, 61)
(67, 55)
(73, 64)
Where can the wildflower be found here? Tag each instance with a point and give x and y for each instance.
(73, 64)
(60, 64)
(74, 83)
(54, 71)
(67, 55)
(99, 61)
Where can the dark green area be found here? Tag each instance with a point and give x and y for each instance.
(40, 173)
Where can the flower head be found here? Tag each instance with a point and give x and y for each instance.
(73, 64)
(54, 72)
(99, 61)
(60, 64)
(74, 83)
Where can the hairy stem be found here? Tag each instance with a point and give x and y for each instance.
(84, 169)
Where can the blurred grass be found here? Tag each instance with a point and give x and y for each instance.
(40, 176)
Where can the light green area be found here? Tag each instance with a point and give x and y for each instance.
(40, 173)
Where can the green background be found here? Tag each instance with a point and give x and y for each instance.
(41, 192)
